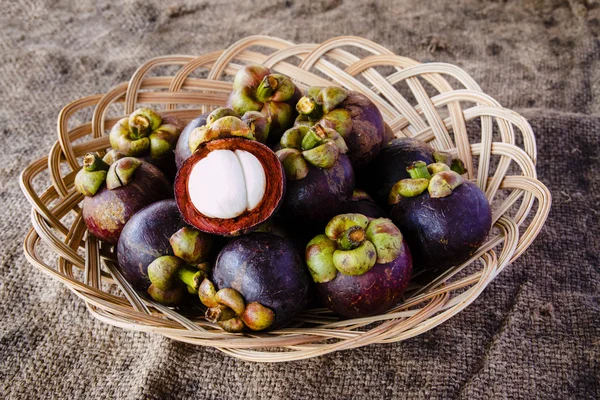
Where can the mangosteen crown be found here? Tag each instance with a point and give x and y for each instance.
(255, 85)
(145, 132)
(229, 186)
(255, 88)
(316, 145)
(352, 245)
(170, 275)
(96, 171)
(439, 178)
(228, 308)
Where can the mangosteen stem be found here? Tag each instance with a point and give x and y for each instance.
(418, 170)
(309, 107)
(92, 162)
(143, 121)
(352, 238)
(313, 137)
(191, 276)
(266, 88)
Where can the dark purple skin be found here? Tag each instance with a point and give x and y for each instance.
(182, 150)
(264, 268)
(315, 199)
(145, 237)
(443, 232)
(371, 293)
(390, 166)
(107, 212)
(368, 129)
(165, 164)
(365, 207)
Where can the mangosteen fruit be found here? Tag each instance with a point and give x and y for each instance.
(258, 282)
(351, 114)
(114, 193)
(147, 135)
(361, 265)
(157, 231)
(444, 217)
(230, 186)
(257, 89)
(220, 123)
(362, 203)
(319, 175)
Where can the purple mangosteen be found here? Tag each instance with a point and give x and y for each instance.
(149, 136)
(444, 217)
(361, 266)
(259, 282)
(257, 90)
(390, 166)
(351, 114)
(114, 193)
(319, 175)
(222, 123)
(158, 232)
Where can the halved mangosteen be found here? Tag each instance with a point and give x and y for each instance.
(230, 186)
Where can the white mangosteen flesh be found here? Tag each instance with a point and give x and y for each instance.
(225, 184)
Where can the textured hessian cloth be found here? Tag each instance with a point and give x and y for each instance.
(533, 333)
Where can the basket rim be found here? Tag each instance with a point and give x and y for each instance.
(439, 301)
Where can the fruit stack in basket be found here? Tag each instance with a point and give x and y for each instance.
(280, 200)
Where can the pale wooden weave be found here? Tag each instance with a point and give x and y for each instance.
(416, 100)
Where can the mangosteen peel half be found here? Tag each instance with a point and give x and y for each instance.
(148, 135)
(114, 193)
(264, 269)
(351, 114)
(257, 89)
(155, 231)
(445, 218)
(230, 186)
(361, 265)
(319, 175)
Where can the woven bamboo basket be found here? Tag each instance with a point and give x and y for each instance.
(436, 102)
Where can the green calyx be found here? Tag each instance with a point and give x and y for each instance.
(145, 132)
(315, 145)
(352, 245)
(275, 87)
(438, 178)
(320, 101)
(191, 245)
(418, 170)
(454, 164)
(293, 162)
(407, 188)
(221, 123)
(121, 172)
(255, 88)
(259, 124)
(166, 272)
(229, 310)
(443, 183)
(92, 175)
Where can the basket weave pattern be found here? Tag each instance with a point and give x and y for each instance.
(434, 111)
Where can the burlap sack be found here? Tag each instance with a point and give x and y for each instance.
(535, 331)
